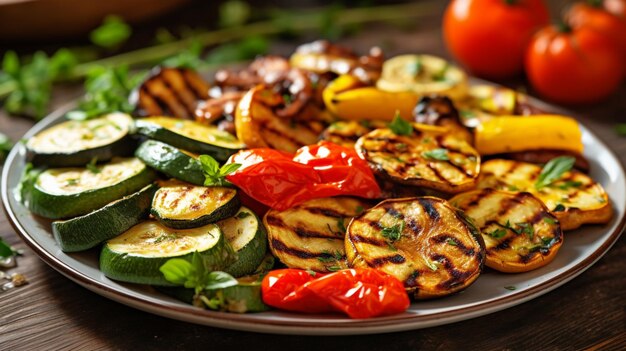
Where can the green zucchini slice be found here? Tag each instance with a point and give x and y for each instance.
(84, 232)
(182, 206)
(75, 143)
(137, 254)
(171, 161)
(191, 136)
(246, 234)
(430, 246)
(69, 192)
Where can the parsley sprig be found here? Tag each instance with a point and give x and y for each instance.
(400, 126)
(436, 154)
(213, 173)
(554, 170)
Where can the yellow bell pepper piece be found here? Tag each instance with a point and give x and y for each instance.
(347, 98)
(513, 133)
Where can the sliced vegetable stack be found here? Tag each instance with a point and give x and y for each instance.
(339, 164)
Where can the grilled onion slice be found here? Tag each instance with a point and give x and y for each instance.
(428, 157)
(519, 231)
(311, 235)
(575, 199)
(423, 241)
(171, 92)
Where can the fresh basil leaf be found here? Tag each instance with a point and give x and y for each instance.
(498, 233)
(553, 170)
(177, 270)
(436, 154)
(220, 280)
(400, 126)
(113, 32)
(229, 168)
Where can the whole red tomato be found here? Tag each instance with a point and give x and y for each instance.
(573, 65)
(490, 37)
(595, 14)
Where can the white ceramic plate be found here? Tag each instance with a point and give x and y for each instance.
(488, 294)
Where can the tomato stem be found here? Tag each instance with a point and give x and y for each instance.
(563, 27)
(594, 3)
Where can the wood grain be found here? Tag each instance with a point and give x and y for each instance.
(52, 312)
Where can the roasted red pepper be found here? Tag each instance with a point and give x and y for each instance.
(359, 293)
(281, 180)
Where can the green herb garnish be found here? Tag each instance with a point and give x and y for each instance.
(213, 173)
(92, 166)
(399, 126)
(549, 220)
(394, 232)
(451, 242)
(436, 154)
(341, 225)
(553, 170)
(195, 274)
(498, 233)
(559, 208)
(526, 228)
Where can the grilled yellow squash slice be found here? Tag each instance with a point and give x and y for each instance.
(170, 92)
(575, 199)
(423, 241)
(519, 231)
(311, 235)
(428, 157)
(258, 126)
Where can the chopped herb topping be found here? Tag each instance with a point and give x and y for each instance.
(341, 225)
(91, 166)
(242, 215)
(431, 264)
(569, 184)
(416, 67)
(400, 126)
(498, 233)
(451, 242)
(526, 228)
(311, 272)
(549, 220)
(333, 268)
(436, 154)
(441, 75)
(559, 208)
(393, 233)
(553, 170)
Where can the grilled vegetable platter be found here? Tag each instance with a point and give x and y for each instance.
(325, 182)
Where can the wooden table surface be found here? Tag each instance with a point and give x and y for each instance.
(589, 312)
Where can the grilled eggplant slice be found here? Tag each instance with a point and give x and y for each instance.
(423, 241)
(311, 235)
(170, 92)
(258, 126)
(575, 199)
(519, 231)
(428, 157)
(346, 133)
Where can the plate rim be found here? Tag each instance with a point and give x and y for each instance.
(247, 322)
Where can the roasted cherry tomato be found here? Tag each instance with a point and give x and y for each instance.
(359, 293)
(596, 14)
(282, 180)
(490, 37)
(573, 65)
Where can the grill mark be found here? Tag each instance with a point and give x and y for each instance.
(537, 217)
(356, 238)
(436, 173)
(509, 203)
(162, 105)
(461, 169)
(178, 97)
(457, 277)
(305, 233)
(187, 84)
(280, 246)
(374, 224)
(342, 137)
(199, 92)
(182, 195)
(380, 261)
(503, 245)
(205, 193)
(475, 200)
(413, 226)
(393, 212)
(165, 106)
(411, 281)
(328, 212)
(443, 238)
(429, 209)
(280, 134)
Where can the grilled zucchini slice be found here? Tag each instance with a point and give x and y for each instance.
(137, 255)
(171, 161)
(182, 206)
(69, 192)
(170, 92)
(575, 199)
(246, 234)
(519, 231)
(84, 232)
(76, 143)
(191, 136)
(311, 235)
(426, 243)
(428, 157)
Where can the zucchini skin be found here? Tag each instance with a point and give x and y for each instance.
(227, 210)
(170, 161)
(146, 270)
(157, 132)
(250, 256)
(122, 147)
(85, 232)
(66, 206)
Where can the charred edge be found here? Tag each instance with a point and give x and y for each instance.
(444, 238)
(380, 261)
(457, 277)
(509, 203)
(280, 246)
(430, 210)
